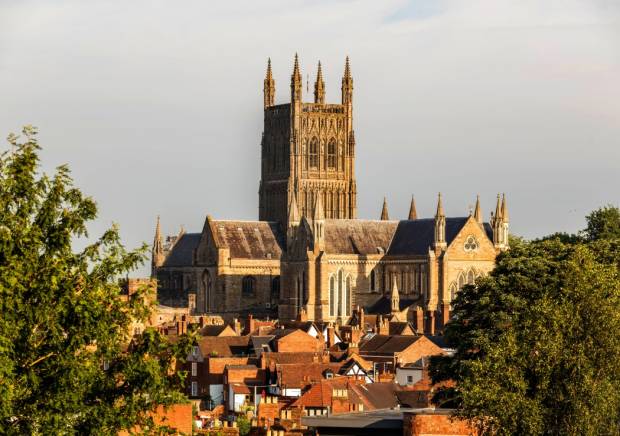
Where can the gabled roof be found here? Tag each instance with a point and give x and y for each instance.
(384, 344)
(249, 239)
(298, 375)
(358, 236)
(182, 253)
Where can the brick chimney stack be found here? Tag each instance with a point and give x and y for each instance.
(331, 335)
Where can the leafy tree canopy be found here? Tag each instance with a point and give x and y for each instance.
(62, 315)
(537, 343)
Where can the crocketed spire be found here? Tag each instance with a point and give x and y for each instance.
(319, 86)
(477, 210)
(384, 211)
(413, 213)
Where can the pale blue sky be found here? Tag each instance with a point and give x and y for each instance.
(157, 105)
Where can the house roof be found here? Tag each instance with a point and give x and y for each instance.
(217, 330)
(379, 395)
(224, 346)
(250, 239)
(384, 344)
(320, 394)
(358, 236)
(298, 375)
(384, 305)
(182, 252)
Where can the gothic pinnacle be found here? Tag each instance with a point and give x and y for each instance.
(296, 73)
(505, 216)
(477, 210)
(347, 69)
(268, 76)
(498, 209)
(384, 211)
(413, 213)
(439, 207)
(319, 86)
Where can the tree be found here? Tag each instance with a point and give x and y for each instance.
(62, 315)
(603, 223)
(537, 345)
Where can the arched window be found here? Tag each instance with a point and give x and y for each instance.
(248, 286)
(275, 289)
(453, 291)
(313, 153)
(332, 296)
(470, 277)
(341, 295)
(348, 292)
(207, 286)
(461, 281)
(331, 154)
(373, 281)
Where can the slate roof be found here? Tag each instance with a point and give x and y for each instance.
(384, 305)
(415, 237)
(358, 236)
(182, 252)
(380, 395)
(250, 239)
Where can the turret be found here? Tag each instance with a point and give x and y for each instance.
(413, 213)
(296, 84)
(157, 251)
(477, 210)
(384, 211)
(347, 84)
(269, 87)
(319, 87)
(440, 226)
(395, 297)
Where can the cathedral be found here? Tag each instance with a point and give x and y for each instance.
(308, 254)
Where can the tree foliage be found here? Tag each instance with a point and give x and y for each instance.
(537, 343)
(62, 315)
(603, 223)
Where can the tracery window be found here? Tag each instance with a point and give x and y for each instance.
(348, 292)
(313, 153)
(471, 244)
(373, 281)
(331, 154)
(332, 296)
(248, 286)
(275, 289)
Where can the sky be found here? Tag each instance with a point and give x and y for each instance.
(156, 106)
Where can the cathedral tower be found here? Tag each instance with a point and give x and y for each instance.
(308, 151)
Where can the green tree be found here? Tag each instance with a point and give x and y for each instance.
(244, 425)
(62, 315)
(603, 223)
(537, 345)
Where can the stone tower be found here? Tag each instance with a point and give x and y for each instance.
(307, 151)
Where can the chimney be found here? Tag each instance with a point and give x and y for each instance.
(384, 327)
(302, 316)
(251, 324)
(430, 322)
(362, 319)
(237, 326)
(202, 321)
(356, 335)
(331, 335)
(419, 320)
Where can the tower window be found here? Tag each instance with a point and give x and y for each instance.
(331, 154)
(248, 286)
(275, 289)
(313, 153)
(373, 281)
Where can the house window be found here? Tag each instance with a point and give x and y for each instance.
(194, 389)
(331, 154)
(409, 379)
(195, 350)
(194, 369)
(248, 286)
(106, 364)
(313, 153)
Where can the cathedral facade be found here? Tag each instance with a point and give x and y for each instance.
(308, 252)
